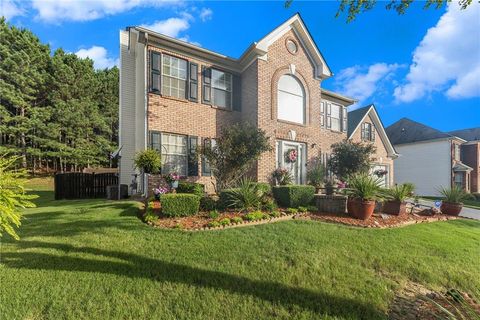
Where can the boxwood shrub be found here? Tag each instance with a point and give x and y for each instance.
(191, 187)
(179, 204)
(293, 196)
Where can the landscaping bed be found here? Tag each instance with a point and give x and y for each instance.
(381, 220)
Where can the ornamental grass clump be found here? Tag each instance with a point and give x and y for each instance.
(454, 194)
(365, 187)
(246, 196)
(400, 192)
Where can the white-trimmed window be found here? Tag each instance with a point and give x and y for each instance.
(174, 153)
(457, 152)
(291, 99)
(368, 131)
(221, 89)
(336, 117)
(174, 76)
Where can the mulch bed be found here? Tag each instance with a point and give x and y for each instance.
(381, 220)
(415, 301)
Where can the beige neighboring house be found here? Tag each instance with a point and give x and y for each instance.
(364, 125)
(175, 96)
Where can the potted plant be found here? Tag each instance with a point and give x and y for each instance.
(363, 190)
(452, 202)
(148, 161)
(281, 177)
(172, 179)
(396, 196)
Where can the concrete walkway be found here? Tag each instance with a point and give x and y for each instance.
(466, 212)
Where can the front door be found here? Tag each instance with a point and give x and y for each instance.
(291, 155)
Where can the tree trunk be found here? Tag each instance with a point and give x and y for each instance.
(23, 142)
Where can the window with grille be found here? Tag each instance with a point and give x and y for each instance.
(174, 153)
(174, 76)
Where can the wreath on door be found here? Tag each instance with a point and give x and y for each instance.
(291, 156)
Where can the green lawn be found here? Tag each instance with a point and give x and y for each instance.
(470, 203)
(96, 260)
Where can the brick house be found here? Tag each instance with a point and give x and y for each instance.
(364, 125)
(470, 154)
(175, 96)
(431, 158)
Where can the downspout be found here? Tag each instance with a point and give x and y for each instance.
(145, 92)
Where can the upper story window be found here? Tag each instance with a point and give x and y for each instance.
(221, 89)
(174, 76)
(457, 152)
(291, 99)
(335, 116)
(368, 131)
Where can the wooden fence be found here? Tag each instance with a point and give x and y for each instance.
(77, 185)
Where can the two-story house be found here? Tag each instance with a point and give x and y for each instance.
(470, 154)
(429, 158)
(175, 96)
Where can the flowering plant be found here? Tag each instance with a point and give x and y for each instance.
(291, 156)
(160, 190)
(282, 176)
(380, 172)
(171, 177)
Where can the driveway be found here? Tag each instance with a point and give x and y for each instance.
(466, 212)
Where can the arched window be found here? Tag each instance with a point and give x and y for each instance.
(291, 99)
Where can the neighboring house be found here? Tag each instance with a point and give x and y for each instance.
(429, 158)
(364, 125)
(175, 96)
(470, 154)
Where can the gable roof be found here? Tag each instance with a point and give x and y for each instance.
(472, 134)
(407, 131)
(356, 117)
(254, 51)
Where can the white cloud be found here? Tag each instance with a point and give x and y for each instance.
(206, 14)
(99, 56)
(10, 9)
(85, 10)
(170, 27)
(363, 82)
(447, 59)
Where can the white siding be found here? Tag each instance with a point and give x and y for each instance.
(426, 164)
(132, 103)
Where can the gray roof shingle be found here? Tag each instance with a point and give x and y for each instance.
(471, 134)
(406, 131)
(354, 118)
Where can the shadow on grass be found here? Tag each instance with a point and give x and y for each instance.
(136, 266)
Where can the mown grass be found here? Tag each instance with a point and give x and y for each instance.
(94, 259)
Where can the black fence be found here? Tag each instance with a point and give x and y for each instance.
(76, 185)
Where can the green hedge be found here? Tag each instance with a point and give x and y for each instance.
(179, 204)
(191, 187)
(265, 187)
(293, 196)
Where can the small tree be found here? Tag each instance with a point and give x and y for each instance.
(316, 173)
(13, 197)
(233, 153)
(350, 158)
(148, 160)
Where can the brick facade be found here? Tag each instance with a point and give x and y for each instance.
(471, 157)
(381, 155)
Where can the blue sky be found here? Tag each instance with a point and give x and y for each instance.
(424, 65)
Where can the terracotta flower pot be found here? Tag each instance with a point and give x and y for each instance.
(394, 207)
(452, 209)
(363, 209)
(351, 207)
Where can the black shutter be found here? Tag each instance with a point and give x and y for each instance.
(206, 85)
(155, 142)
(192, 156)
(237, 93)
(206, 170)
(192, 91)
(155, 71)
(329, 115)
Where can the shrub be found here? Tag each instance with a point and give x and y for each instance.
(302, 209)
(350, 158)
(264, 187)
(254, 215)
(246, 197)
(400, 192)
(476, 195)
(208, 203)
(454, 194)
(282, 177)
(316, 173)
(237, 220)
(364, 186)
(178, 226)
(269, 204)
(213, 224)
(148, 160)
(179, 204)
(224, 221)
(150, 215)
(312, 208)
(191, 187)
(292, 210)
(213, 214)
(275, 214)
(13, 197)
(293, 195)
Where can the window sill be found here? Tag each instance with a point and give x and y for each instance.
(217, 107)
(292, 123)
(171, 97)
